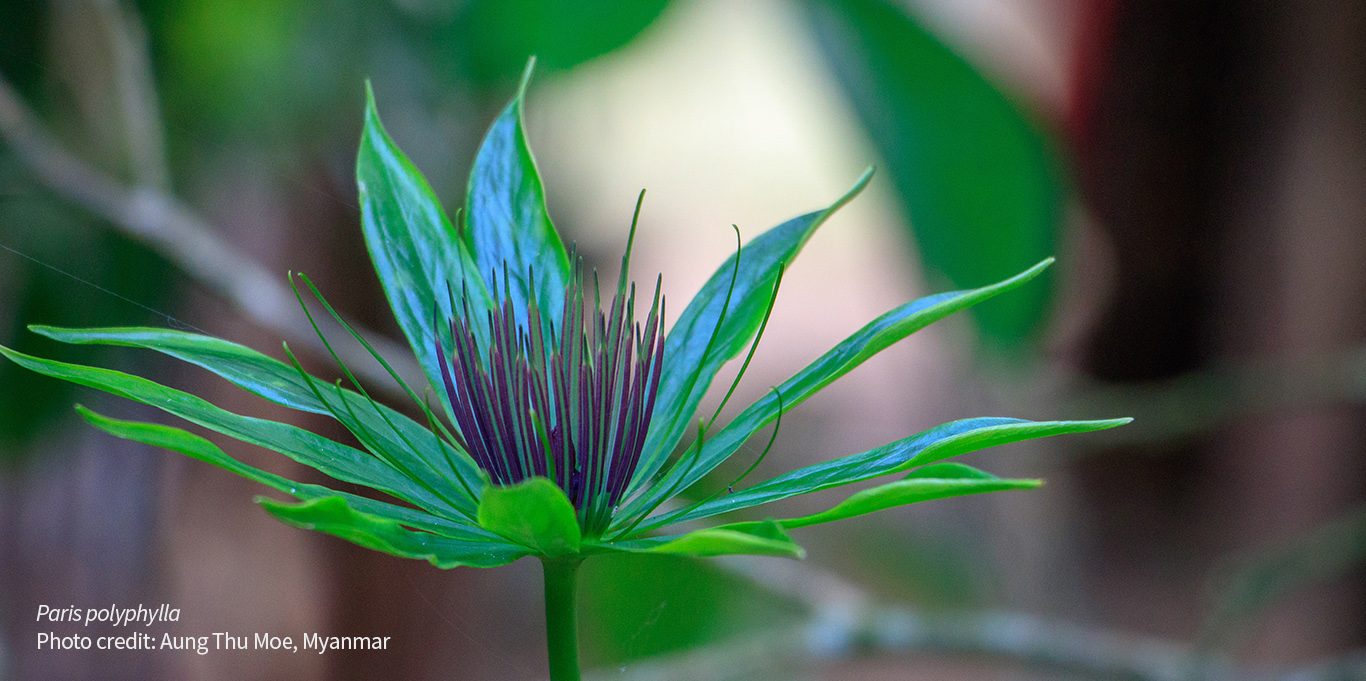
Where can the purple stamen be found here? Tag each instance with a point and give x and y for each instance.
(591, 384)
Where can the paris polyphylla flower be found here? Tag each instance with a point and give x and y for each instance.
(563, 422)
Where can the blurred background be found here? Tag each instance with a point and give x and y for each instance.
(1199, 170)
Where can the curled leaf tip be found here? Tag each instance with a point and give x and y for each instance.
(526, 77)
(865, 178)
(369, 96)
(854, 191)
(1037, 268)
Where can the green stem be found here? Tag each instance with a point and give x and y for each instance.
(561, 617)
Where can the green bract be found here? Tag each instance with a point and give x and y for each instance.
(507, 262)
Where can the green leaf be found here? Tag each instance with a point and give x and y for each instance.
(950, 470)
(982, 185)
(533, 513)
(248, 369)
(417, 254)
(334, 459)
(764, 538)
(851, 352)
(937, 481)
(494, 37)
(432, 460)
(333, 516)
(178, 440)
(938, 443)
(691, 355)
(507, 226)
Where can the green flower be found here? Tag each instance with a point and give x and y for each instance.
(562, 419)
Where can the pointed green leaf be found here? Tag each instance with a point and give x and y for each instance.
(935, 444)
(764, 538)
(334, 459)
(921, 485)
(333, 516)
(248, 369)
(981, 183)
(506, 221)
(950, 470)
(418, 255)
(851, 352)
(691, 355)
(533, 513)
(429, 458)
(178, 440)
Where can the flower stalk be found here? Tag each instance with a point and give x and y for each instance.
(561, 617)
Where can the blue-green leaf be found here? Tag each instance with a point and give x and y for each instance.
(418, 255)
(950, 470)
(178, 440)
(936, 481)
(248, 369)
(334, 459)
(764, 538)
(691, 355)
(429, 458)
(506, 221)
(534, 513)
(333, 516)
(935, 444)
(851, 352)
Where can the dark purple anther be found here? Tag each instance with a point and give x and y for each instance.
(572, 404)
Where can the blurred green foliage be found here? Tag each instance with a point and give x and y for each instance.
(31, 293)
(279, 72)
(918, 564)
(981, 184)
(22, 30)
(235, 62)
(51, 231)
(494, 37)
(638, 606)
(276, 68)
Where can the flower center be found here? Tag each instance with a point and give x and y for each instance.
(571, 404)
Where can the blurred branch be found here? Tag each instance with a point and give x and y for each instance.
(1017, 638)
(1345, 668)
(187, 240)
(1329, 552)
(1198, 401)
(137, 95)
(846, 625)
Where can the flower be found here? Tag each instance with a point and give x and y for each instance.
(560, 441)
(533, 398)
(572, 407)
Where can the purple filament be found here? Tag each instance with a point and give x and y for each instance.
(574, 407)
